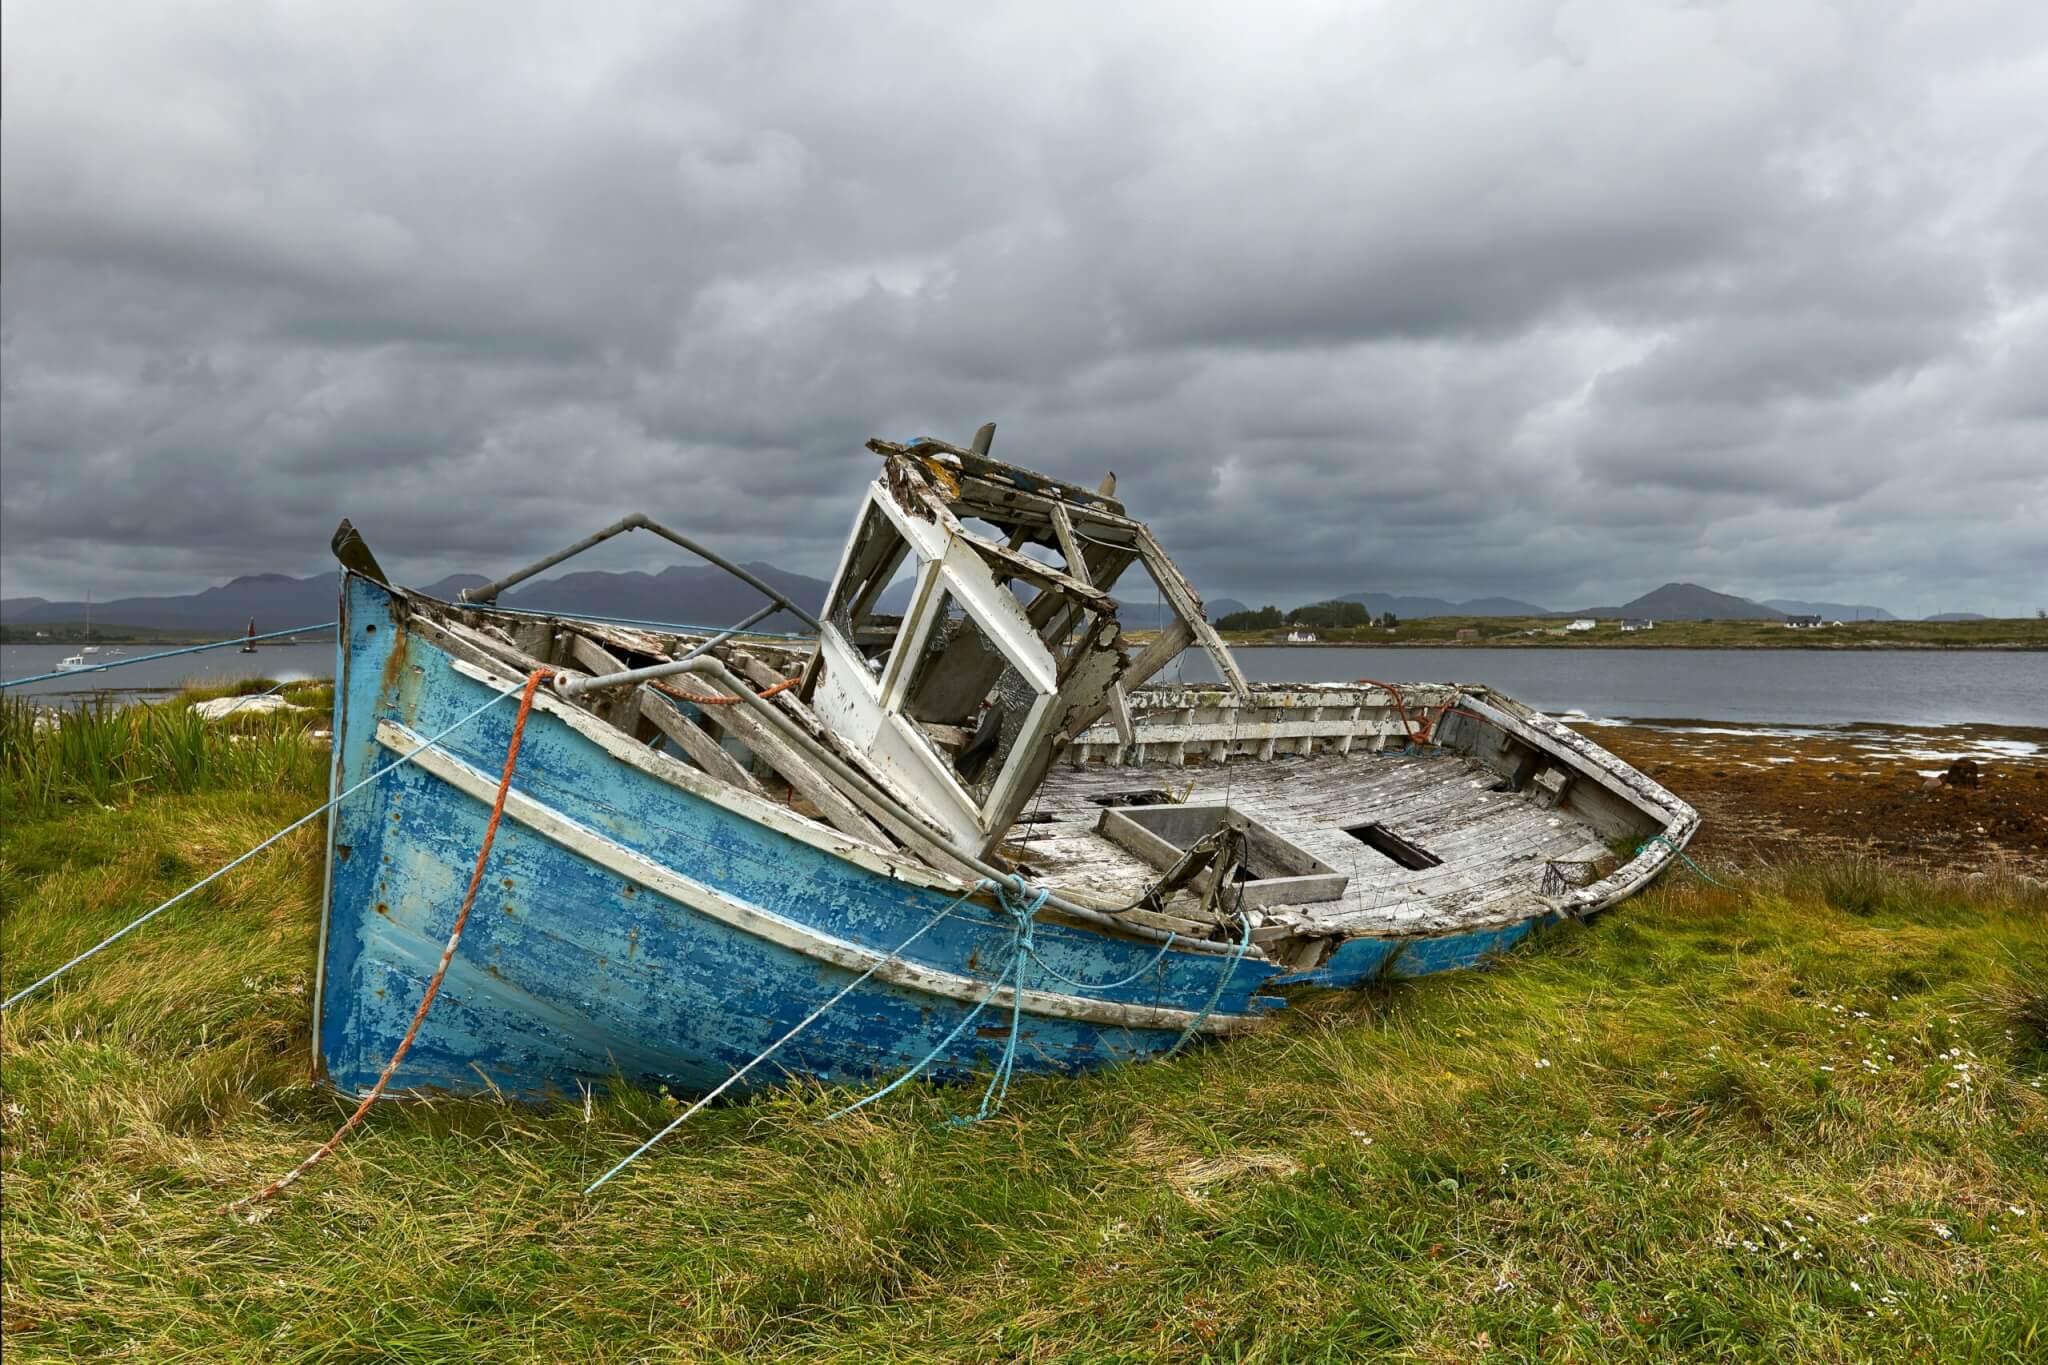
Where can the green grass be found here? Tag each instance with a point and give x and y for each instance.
(1787, 1122)
(106, 753)
(1537, 632)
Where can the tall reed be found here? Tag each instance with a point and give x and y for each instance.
(106, 751)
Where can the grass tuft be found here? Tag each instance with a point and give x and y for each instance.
(1799, 1119)
(107, 753)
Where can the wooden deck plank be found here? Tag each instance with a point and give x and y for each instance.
(1494, 845)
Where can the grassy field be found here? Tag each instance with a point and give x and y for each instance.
(1803, 1119)
(1541, 632)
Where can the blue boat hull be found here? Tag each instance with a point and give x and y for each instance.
(631, 928)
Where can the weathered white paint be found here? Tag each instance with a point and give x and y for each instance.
(624, 862)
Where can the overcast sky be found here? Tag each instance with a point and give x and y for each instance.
(1557, 301)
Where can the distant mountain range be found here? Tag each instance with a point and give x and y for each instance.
(1834, 611)
(1409, 608)
(703, 595)
(684, 594)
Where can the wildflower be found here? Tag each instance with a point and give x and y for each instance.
(1542, 1062)
(2016, 1210)
(1862, 1218)
(1944, 1231)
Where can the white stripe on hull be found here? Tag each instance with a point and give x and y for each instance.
(624, 862)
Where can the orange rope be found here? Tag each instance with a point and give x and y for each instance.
(1407, 722)
(419, 1017)
(695, 700)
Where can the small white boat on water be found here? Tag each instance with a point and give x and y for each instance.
(71, 663)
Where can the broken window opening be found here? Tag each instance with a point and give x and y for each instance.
(875, 591)
(1384, 841)
(967, 698)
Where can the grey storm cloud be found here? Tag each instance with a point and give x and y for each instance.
(1557, 300)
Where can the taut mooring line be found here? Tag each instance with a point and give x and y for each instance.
(141, 920)
(165, 654)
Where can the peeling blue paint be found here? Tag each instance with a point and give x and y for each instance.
(584, 983)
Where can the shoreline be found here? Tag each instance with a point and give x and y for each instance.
(1866, 647)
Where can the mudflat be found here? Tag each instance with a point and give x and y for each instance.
(1781, 793)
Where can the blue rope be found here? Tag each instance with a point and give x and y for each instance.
(1022, 904)
(1092, 986)
(165, 654)
(1025, 917)
(928, 1058)
(808, 1020)
(143, 919)
(1672, 844)
(1411, 750)
(1237, 953)
(1021, 921)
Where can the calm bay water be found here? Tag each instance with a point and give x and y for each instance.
(1783, 686)
(1779, 686)
(283, 662)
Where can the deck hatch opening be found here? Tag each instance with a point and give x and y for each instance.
(1274, 871)
(1150, 797)
(1384, 841)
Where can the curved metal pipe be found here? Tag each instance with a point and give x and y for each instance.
(707, 666)
(640, 521)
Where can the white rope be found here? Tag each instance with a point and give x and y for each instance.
(141, 920)
(809, 1019)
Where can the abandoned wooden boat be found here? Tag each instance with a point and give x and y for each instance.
(709, 833)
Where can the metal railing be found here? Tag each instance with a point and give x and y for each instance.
(714, 669)
(640, 521)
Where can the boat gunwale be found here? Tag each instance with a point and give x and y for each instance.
(1679, 823)
(666, 768)
(701, 898)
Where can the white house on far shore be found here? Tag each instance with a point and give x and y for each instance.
(1635, 624)
(1583, 623)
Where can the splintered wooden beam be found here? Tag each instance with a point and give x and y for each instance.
(1164, 649)
(624, 712)
(1070, 548)
(1019, 565)
(703, 749)
(488, 645)
(926, 841)
(1189, 607)
(804, 777)
(1077, 565)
